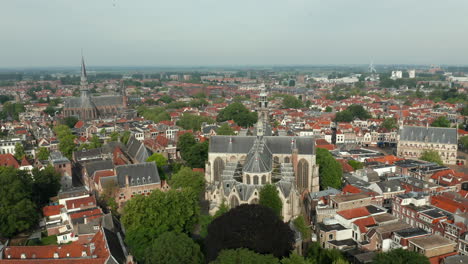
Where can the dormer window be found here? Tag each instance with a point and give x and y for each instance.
(23, 256)
(56, 255)
(83, 254)
(149, 179)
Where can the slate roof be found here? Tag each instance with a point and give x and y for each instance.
(429, 134)
(93, 101)
(259, 159)
(139, 174)
(93, 166)
(276, 144)
(137, 150)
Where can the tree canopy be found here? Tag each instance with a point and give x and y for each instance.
(318, 255)
(187, 178)
(161, 163)
(46, 184)
(269, 197)
(195, 154)
(17, 210)
(244, 256)
(352, 112)
(303, 227)
(193, 122)
(43, 153)
(155, 114)
(290, 101)
(239, 113)
(250, 226)
(66, 140)
(389, 123)
(19, 151)
(398, 256)
(355, 164)
(330, 170)
(431, 156)
(225, 130)
(147, 217)
(441, 121)
(173, 247)
(70, 121)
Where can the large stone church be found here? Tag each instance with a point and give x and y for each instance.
(238, 167)
(87, 107)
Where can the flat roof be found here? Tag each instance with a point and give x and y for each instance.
(432, 241)
(350, 197)
(328, 228)
(411, 232)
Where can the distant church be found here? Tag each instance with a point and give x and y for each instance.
(87, 107)
(238, 167)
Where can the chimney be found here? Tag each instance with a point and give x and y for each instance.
(127, 181)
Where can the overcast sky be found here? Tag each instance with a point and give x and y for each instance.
(232, 32)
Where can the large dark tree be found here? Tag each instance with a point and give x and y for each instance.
(398, 256)
(250, 226)
(17, 211)
(173, 247)
(244, 256)
(46, 184)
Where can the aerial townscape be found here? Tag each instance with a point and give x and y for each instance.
(206, 156)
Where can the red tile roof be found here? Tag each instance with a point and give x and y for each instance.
(87, 213)
(8, 160)
(81, 202)
(51, 210)
(25, 162)
(354, 213)
(363, 223)
(67, 253)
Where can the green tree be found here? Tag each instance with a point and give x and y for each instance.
(239, 113)
(19, 151)
(193, 122)
(95, 142)
(328, 109)
(244, 256)
(114, 136)
(330, 170)
(50, 110)
(187, 178)
(46, 184)
(269, 197)
(147, 217)
(389, 123)
(301, 225)
(308, 103)
(70, 121)
(294, 258)
(43, 153)
(441, 121)
(17, 211)
(355, 164)
(290, 101)
(352, 112)
(125, 137)
(464, 142)
(464, 110)
(431, 156)
(173, 247)
(225, 130)
(318, 255)
(161, 163)
(197, 155)
(398, 256)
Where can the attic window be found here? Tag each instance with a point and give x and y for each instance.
(23, 256)
(56, 255)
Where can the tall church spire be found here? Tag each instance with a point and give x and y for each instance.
(84, 76)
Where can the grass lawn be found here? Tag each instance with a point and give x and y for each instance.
(50, 240)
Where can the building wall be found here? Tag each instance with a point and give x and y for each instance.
(414, 149)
